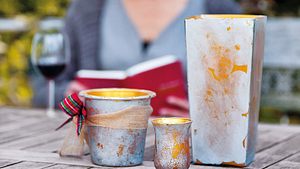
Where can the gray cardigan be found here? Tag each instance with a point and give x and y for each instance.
(82, 27)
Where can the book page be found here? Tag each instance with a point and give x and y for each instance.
(102, 74)
(151, 64)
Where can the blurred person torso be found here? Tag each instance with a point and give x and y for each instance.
(129, 38)
(116, 34)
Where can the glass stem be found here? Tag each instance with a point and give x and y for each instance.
(51, 101)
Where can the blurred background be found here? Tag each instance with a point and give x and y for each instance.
(280, 103)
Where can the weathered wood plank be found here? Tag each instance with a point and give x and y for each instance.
(55, 145)
(50, 158)
(50, 147)
(45, 157)
(149, 144)
(25, 112)
(29, 113)
(4, 163)
(277, 153)
(209, 167)
(62, 166)
(275, 144)
(18, 125)
(272, 127)
(54, 158)
(28, 131)
(285, 165)
(295, 157)
(145, 165)
(150, 140)
(149, 153)
(272, 138)
(28, 164)
(102, 167)
(269, 135)
(33, 141)
(291, 162)
(10, 118)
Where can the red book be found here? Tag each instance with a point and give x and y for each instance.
(163, 75)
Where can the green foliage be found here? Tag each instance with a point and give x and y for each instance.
(15, 89)
(271, 7)
(14, 83)
(50, 7)
(9, 7)
(287, 8)
(40, 8)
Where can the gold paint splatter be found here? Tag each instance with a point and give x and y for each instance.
(212, 71)
(208, 92)
(224, 67)
(226, 91)
(175, 135)
(245, 114)
(198, 162)
(233, 163)
(243, 68)
(194, 17)
(207, 35)
(179, 148)
(223, 71)
(216, 117)
(120, 150)
(208, 95)
(237, 47)
(176, 150)
(244, 142)
(99, 145)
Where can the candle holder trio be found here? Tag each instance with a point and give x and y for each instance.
(225, 54)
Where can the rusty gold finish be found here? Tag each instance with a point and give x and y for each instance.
(170, 121)
(117, 94)
(225, 58)
(225, 16)
(121, 93)
(116, 125)
(172, 145)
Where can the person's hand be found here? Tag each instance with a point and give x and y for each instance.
(73, 87)
(182, 104)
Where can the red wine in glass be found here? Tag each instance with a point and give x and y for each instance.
(51, 71)
(50, 56)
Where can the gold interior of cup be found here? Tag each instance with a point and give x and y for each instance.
(122, 93)
(226, 16)
(171, 120)
(232, 16)
(117, 93)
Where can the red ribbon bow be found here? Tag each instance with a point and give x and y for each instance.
(73, 106)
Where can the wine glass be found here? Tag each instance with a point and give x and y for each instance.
(49, 57)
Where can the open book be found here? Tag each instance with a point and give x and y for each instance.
(162, 75)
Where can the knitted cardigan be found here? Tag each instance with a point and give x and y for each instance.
(82, 25)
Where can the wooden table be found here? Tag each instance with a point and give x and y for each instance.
(28, 140)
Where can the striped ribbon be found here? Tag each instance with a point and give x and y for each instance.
(73, 107)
